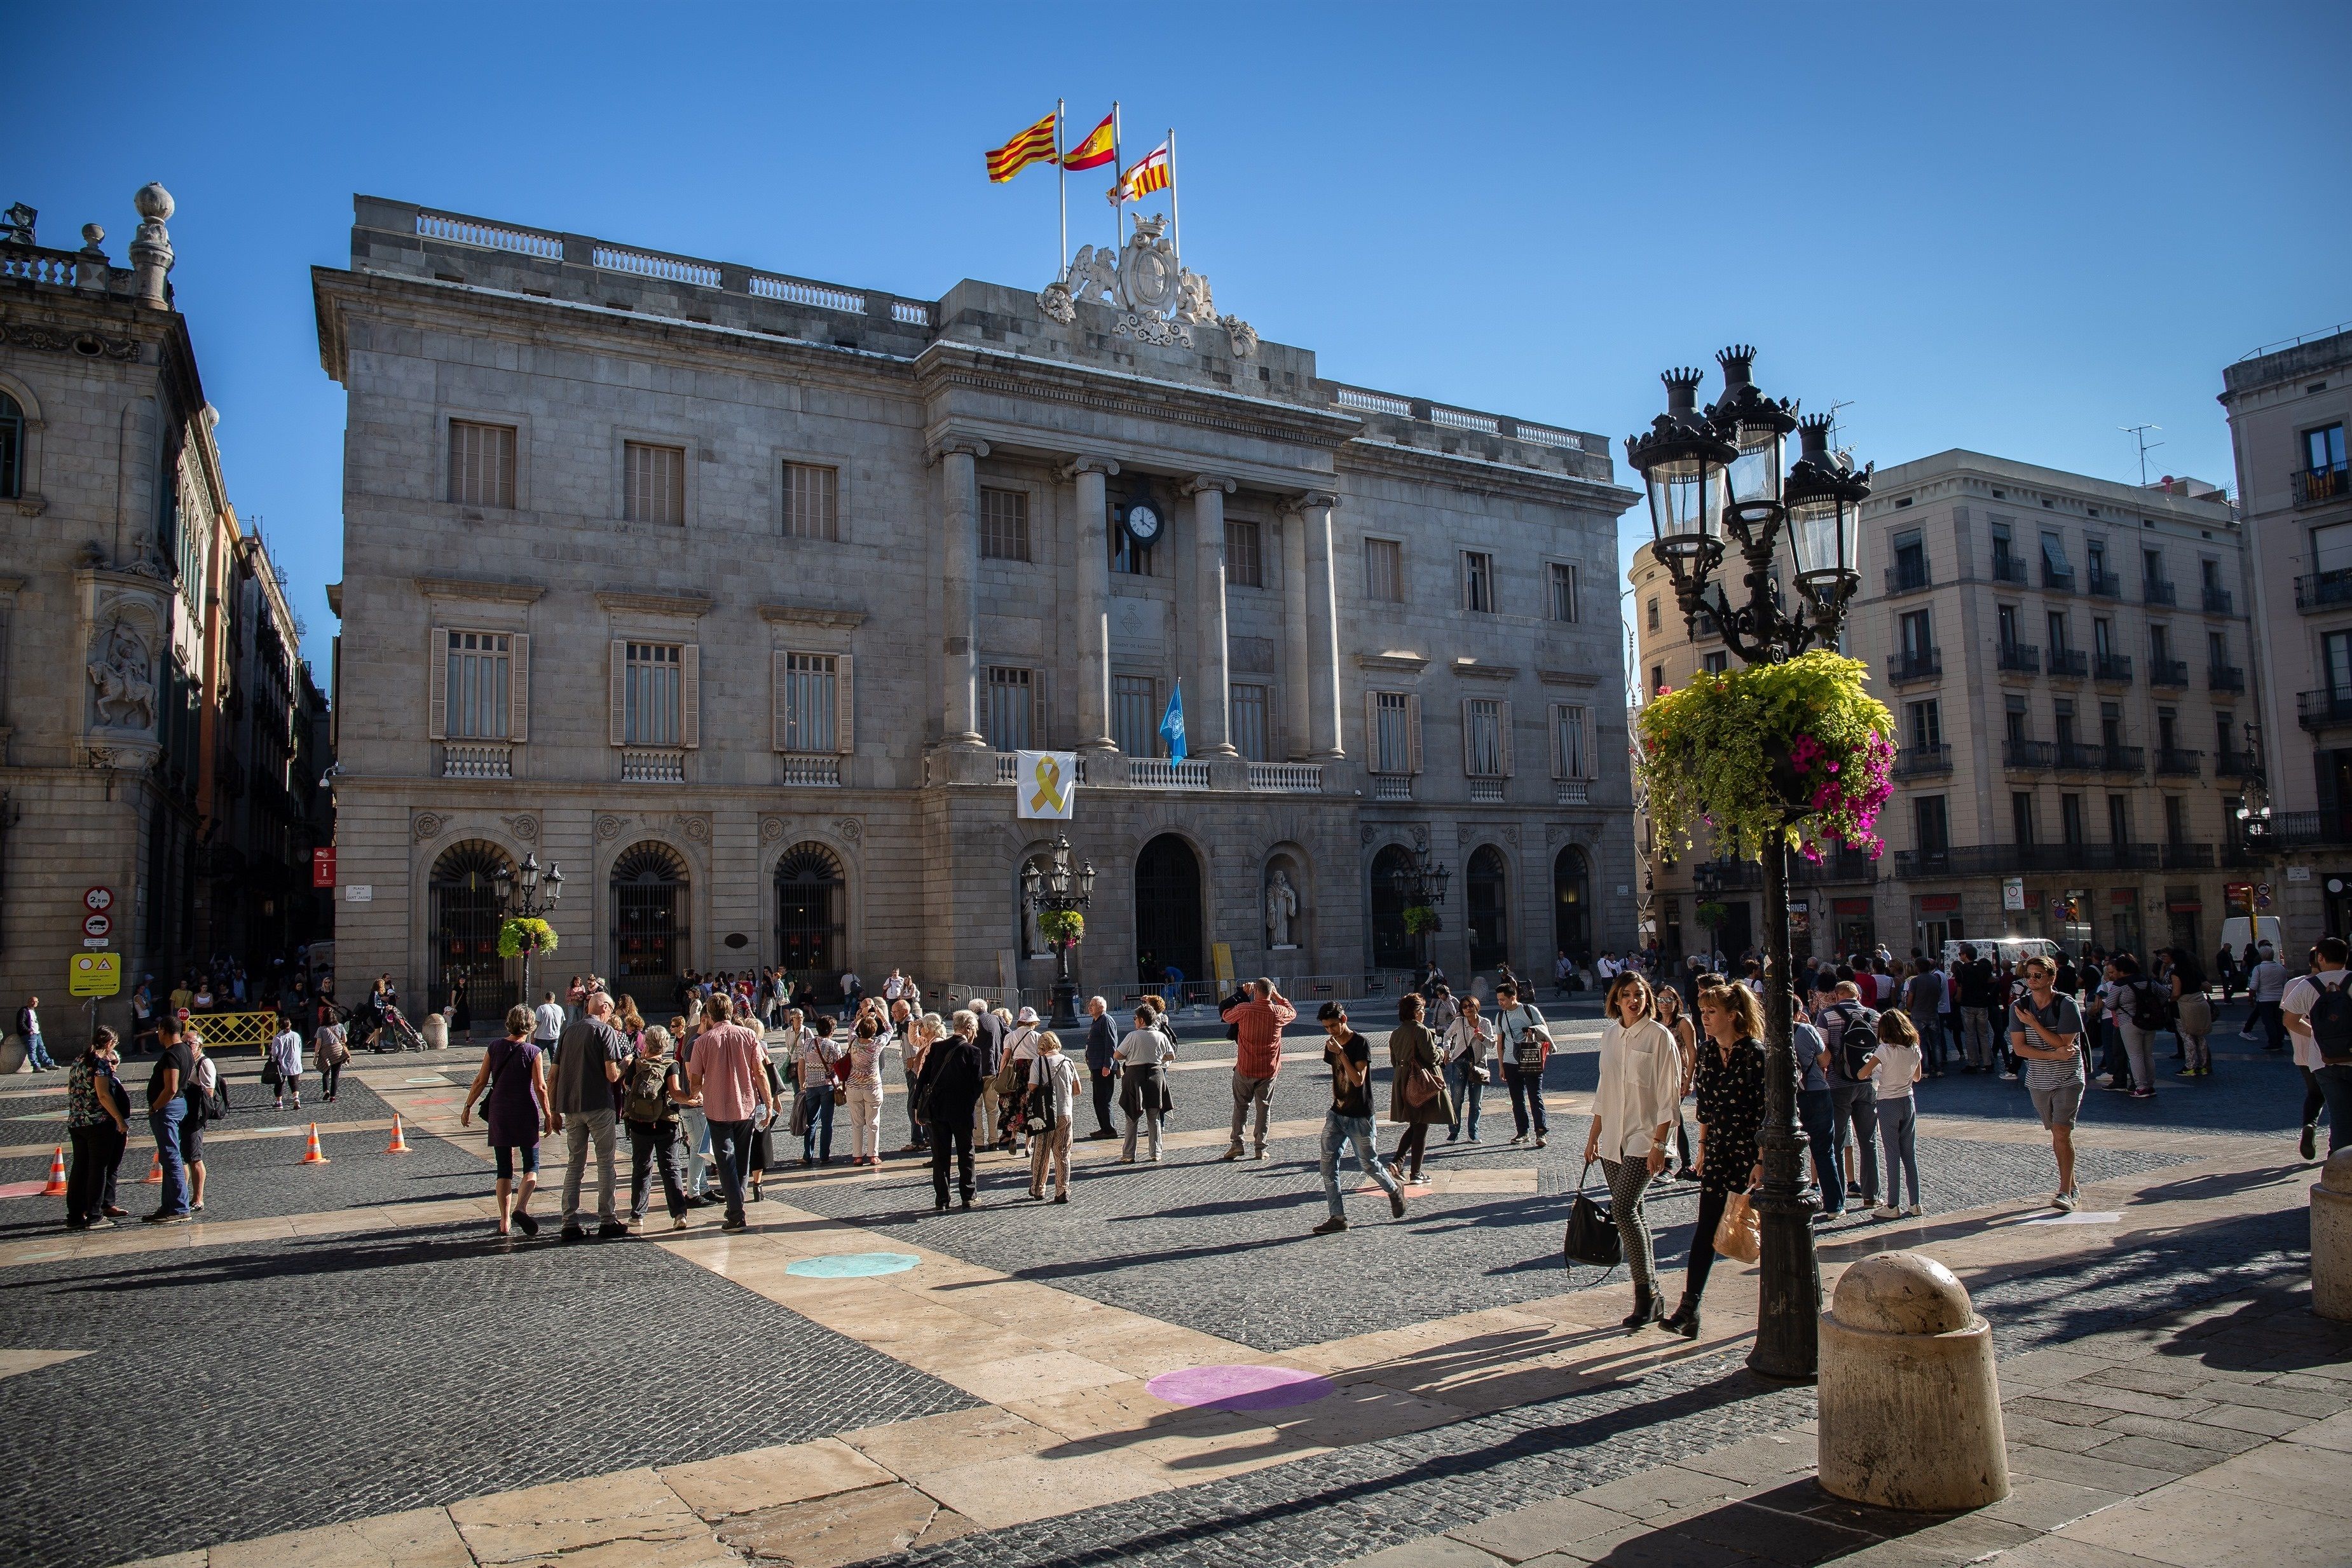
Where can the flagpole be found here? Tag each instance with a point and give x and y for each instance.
(1175, 214)
(1062, 180)
(1117, 183)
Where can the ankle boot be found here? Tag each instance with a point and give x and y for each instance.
(1685, 1319)
(1646, 1307)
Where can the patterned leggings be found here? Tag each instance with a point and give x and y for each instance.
(1628, 1179)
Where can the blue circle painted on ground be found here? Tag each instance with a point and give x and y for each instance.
(851, 1265)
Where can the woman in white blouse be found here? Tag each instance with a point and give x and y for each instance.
(1469, 1044)
(1633, 1116)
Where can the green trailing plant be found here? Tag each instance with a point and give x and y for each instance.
(1710, 915)
(1798, 749)
(1419, 917)
(1062, 927)
(526, 934)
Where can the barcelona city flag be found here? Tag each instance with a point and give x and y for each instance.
(1034, 145)
(1100, 146)
(1145, 175)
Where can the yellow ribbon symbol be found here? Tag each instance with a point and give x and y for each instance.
(1049, 796)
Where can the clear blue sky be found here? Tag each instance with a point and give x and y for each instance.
(2009, 227)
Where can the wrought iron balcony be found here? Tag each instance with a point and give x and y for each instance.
(1908, 579)
(2069, 664)
(2167, 672)
(1920, 761)
(2074, 757)
(2171, 762)
(2156, 591)
(2323, 591)
(2105, 584)
(2218, 601)
(1914, 664)
(2188, 857)
(2315, 486)
(2324, 710)
(2023, 658)
(2225, 678)
(2113, 667)
(2234, 764)
(2007, 568)
(2057, 579)
(2302, 830)
(2015, 860)
(2028, 756)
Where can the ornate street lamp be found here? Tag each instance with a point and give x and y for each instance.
(1712, 477)
(1422, 885)
(2254, 810)
(525, 902)
(1057, 889)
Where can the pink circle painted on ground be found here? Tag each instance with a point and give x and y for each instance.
(1239, 1387)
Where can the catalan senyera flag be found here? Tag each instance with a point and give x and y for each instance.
(1034, 145)
(1100, 146)
(1145, 175)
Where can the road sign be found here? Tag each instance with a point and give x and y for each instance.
(96, 925)
(322, 867)
(2013, 892)
(94, 975)
(98, 900)
(2261, 895)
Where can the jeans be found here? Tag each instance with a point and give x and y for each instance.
(2135, 1042)
(2336, 1087)
(866, 1121)
(165, 1125)
(1898, 1136)
(1628, 1179)
(651, 1145)
(36, 1053)
(731, 1153)
(89, 1180)
(1339, 1132)
(329, 1077)
(1527, 1099)
(1852, 1110)
(1931, 1042)
(1105, 1085)
(1468, 1094)
(1249, 1092)
(582, 1128)
(951, 1138)
(1817, 1111)
(694, 1135)
(816, 1115)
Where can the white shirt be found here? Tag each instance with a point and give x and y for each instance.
(549, 1018)
(1898, 1065)
(1144, 1048)
(2301, 996)
(1059, 1071)
(1606, 968)
(1022, 1046)
(893, 988)
(1467, 1037)
(1641, 1084)
(286, 1050)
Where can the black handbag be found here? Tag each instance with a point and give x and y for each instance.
(1593, 1238)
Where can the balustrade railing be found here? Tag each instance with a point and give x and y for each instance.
(1286, 778)
(478, 762)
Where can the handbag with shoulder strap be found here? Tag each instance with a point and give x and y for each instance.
(1591, 1237)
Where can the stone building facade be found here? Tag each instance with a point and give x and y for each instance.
(145, 741)
(733, 594)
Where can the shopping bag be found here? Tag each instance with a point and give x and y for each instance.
(1738, 1236)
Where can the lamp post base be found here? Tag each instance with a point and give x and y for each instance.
(1065, 992)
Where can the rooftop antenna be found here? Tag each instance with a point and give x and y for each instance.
(1843, 450)
(2139, 433)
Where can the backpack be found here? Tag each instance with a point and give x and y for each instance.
(1854, 1022)
(2149, 1011)
(647, 1102)
(212, 1092)
(2331, 1025)
(1040, 1115)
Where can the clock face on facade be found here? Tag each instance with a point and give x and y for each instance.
(1143, 523)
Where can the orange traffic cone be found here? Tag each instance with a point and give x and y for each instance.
(314, 1156)
(57, 1187)
(154, 1175)
(399, 1143)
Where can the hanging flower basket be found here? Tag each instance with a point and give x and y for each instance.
(1420, 917)
(526, 936)
(1062, 927)
(1796, 748)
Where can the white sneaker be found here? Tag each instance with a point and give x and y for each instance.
(1885, 1211)
(2104, 1080)
(1912, 1212)
(2062, 1201)
(2009, 1078)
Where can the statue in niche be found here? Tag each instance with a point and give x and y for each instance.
(125, 680)
(1281, 910)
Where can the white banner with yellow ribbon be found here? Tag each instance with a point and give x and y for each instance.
(1046, 783)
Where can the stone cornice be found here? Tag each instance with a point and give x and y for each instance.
(1481, 475)
(685, 606)
(810, 615)
(478, 588)
(1567, 679)
(1394, 660)
(1473, 670)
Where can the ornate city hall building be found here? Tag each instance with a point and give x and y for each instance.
(734, 594)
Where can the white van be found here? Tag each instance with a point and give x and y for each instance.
(2014, 950)
(2237, 931)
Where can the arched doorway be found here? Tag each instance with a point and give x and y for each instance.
(649, 889)
(1393, 944)
(1485, 892)
(1571, 898)
(811, 935)
(1168, 910)
(462, 895)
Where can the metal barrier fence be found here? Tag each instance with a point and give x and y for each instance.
(1309, 991)
(220, 1029)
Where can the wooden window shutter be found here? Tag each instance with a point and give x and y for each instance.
(1278, 720)
(1372, 731)
(1412, 730)
(1469, 736)
(1041, 710)
(689, 695)
(781, 685)
(620, 689)
(845, 704)
(519, 690)
(1559, 765)
(1503, 725)
(436, 686)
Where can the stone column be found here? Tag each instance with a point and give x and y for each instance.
(1295, 677)
(1209, 716)
(960, 601)
(1313, 513)
(1093, 607)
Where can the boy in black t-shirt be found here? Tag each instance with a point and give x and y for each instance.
(1350, 1120)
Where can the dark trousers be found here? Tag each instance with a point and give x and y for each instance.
(917, 1133)
(329, 1077)
(1854, 1110)
(1702, 1243)
(2312, 1098)
(2336, 1087)
(2274, 1024)
(1105, 1085)
(1526, 1097)
(816, 1115)
(1412, 1144)
(951, 1135)
(1817, 1110)
(651, 1146)
(731, 1151)
(89, 1179)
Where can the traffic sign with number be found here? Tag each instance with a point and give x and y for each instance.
(98, 900)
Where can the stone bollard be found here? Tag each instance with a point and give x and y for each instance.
(2331, 1238)
(1910, 1412)
(437, 1032)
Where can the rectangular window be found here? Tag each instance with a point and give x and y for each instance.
(1563, 591)
(1477, 581)
(1930, 829)
(2053, 553)
(655, 487)
(2167, 729)
(1926, 723)
(479, 682)
(2335, 658)
(2070, 818)
(2176, 820)
(1392, 732)
(650, 695)
(2159, 645)
(1126, 556)
(2111, 724)
(2016, 719)
(2021, 817)
(481, 464)
(2323, 449)
(2062, 722)
(1009, 708)
(1657, 679)
(1717, 664)
(1135, 715)
(1918, 638)
(2119, 822)
(2225, 726)
(2217, 650)
(1004, 526)
(1568, 743)
(2211, 570)
(1249, 720)
(2057, 622)
(1482, 737)
(2103, 638)
(1910, 560)
(812, 501)
(809, 702)
(1653, 615)
(1384, 570)
(1244, 555)
(2006, 616)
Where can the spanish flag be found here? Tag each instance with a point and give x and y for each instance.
(1145, 175)
(1034, 145)
(1099, 148)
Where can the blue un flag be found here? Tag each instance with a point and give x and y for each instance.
(1172, 724)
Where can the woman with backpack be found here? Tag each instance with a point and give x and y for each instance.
(517, 1112)
(865, 1087)
(1525, 1048)
(1053, 1093)
(652, 1089)
(2141, 1010)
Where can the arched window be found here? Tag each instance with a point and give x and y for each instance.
(811, 935)
(1485, 905)
(12, 448)
(462, 896)
(1571, 897)
(1393, 945)
(1168, 911)
(648, 887)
